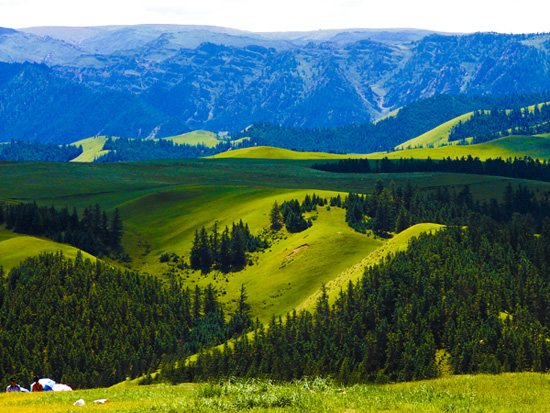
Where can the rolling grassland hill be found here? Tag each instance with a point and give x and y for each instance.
(164, 203)
(154, 196)
(536, 147)
(15, 248)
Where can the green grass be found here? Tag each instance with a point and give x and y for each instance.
(209, 139)
(283, 276)
(92, 148)
(354, 272)
(525, 392)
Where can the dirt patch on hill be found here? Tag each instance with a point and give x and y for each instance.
(296, 251)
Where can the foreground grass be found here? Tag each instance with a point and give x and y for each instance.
(525, 392)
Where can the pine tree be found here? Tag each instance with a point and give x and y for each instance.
(276, 217)
(237, 248)
(116, 231)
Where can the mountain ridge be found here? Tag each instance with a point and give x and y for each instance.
(196, 77)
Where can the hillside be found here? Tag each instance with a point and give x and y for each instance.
(537, 147)
(434, 138)
(265, 152)
(92, 147)
(195, 137)
(163, 204)
(298, 263)
(16, 248)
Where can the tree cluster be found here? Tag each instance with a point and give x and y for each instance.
(88, 325)
(394, 209)
(291, 213)
(93, 232)
(412, 120)
(35, 151)
(469, 300)
(226, 251)
(521, 168)
(485, 126)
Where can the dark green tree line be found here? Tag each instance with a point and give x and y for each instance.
(93, 232)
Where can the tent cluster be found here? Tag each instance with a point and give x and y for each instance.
(50, 385)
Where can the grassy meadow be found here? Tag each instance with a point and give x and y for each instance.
(162, 203)
(525, 392)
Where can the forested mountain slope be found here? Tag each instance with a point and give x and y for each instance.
(181, 78)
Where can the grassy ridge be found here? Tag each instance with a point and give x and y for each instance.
(519, 392)
(92, 148)
(268, 152)
(283, 276)
(398, 243)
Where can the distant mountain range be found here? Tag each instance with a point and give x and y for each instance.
(62, 84)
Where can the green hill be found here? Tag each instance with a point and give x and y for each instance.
(209, 139)
(163, 203)
(268, 152)
(537, 147)
(283, 276)
(15, 248)
(92, 148)
(438, 136)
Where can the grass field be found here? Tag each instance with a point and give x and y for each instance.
(163, 202)
(282, 277)
(525, 392)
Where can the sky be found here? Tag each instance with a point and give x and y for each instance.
(504, 16)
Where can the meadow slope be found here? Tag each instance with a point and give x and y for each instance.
(163, 203)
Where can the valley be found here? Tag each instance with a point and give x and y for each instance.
(270, 247)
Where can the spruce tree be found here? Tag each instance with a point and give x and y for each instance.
(275, 217)
(116, 231)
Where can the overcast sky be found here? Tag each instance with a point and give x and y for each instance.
(505, 16)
